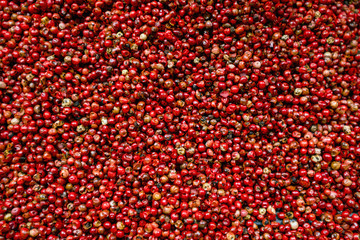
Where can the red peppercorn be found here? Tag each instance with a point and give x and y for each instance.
(179, 120)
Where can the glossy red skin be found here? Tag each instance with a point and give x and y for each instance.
(179, 119)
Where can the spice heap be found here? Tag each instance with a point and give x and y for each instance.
(179, 119)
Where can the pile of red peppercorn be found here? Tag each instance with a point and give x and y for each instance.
(174, 119)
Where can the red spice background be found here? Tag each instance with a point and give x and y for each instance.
(197, 119)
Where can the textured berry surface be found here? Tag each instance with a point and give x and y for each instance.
(176, 119)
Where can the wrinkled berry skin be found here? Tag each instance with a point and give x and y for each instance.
(179, 119)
